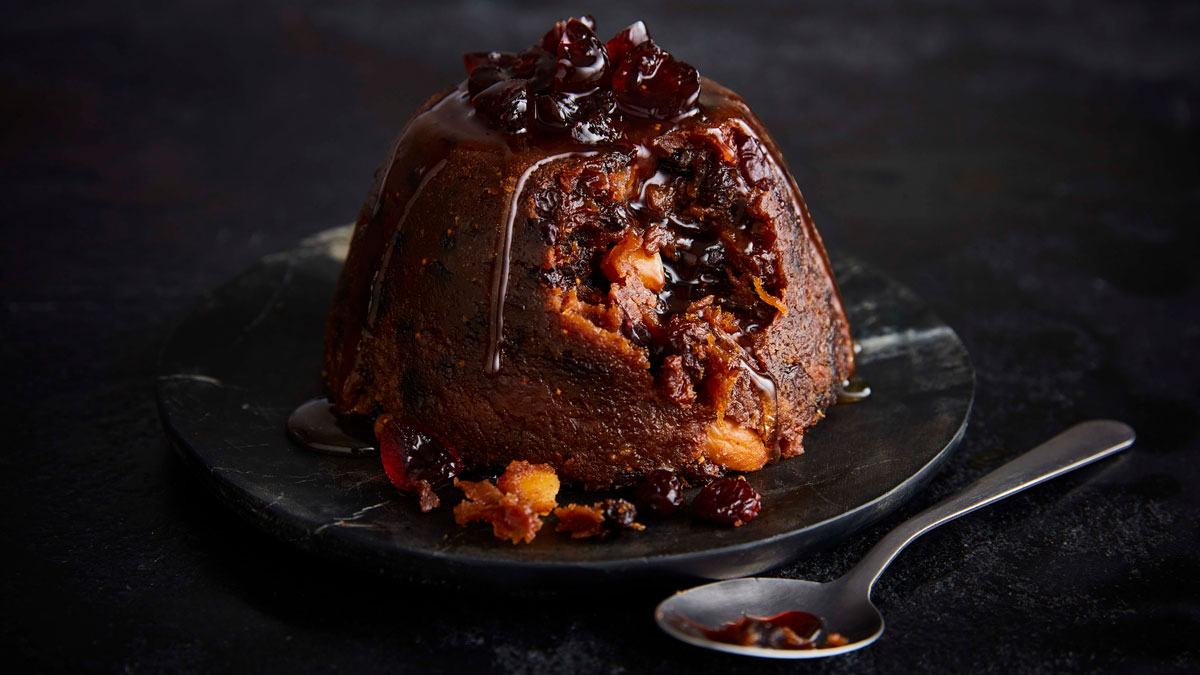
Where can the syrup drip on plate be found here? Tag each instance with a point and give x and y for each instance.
(317, 427)
(854, 390)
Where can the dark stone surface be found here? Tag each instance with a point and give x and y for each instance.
(1029, 169)
(238, 366)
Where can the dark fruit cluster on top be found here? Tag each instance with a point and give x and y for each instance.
(572, 83)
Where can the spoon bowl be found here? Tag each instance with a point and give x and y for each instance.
(845, 605)
(684, 614)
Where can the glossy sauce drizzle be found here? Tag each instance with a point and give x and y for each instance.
(854, 390)
(501, 265)
(765, 383)
(317, 427)
(377, 283)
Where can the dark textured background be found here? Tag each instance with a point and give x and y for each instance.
(1030, 169)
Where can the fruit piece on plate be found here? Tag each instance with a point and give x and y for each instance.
(513, 504)
(730, 500)
(598, 520)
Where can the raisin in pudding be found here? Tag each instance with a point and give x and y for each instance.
(587, 256)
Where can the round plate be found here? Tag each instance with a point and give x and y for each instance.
(251, 352)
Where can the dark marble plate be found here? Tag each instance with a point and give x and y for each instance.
(250, 353)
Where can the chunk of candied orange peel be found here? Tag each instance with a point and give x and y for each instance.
(734, 446)
(628, 259)
(514, 504)
(534, 484)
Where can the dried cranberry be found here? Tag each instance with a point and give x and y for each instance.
(507, 104)
(552, 36)
(649, 82)
(728, 500)
(574, 83)
(659, 494)
(416, 461)
(582, 60)
(619, 514)
(627, 39)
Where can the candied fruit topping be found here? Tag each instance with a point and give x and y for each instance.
(598, 520)
(506, 102)
(574, 83)
(649, 82)
(582, 60)
(415, 460)
(514, 504)
(552, 37)
(660, 493)
(728, 500)
(627, 39)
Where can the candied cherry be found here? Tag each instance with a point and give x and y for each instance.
(659, 494)
(552, 36)
(507, 104)
(573, 83)
(627, 39)
(619, 514)
(731, 501)
(649, 82)
(536, 65)
(559, 110)
(556, 109)
(415, 460)
(582, 59)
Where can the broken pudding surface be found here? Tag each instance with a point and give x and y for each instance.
(589, 257)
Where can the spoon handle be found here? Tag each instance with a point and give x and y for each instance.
(1081, 444)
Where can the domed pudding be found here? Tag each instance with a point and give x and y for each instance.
(588, 256)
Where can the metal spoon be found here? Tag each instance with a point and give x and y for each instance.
(845, 604)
